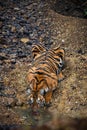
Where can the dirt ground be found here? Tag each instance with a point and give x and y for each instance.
(28, 22)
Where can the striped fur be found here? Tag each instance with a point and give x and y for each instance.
(44, 74)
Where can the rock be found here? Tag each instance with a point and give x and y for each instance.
(13, 29)
(2, 85)
(20, 99)
(2, 41)
(24, 40)
(21, 30)
(7, 61)
(21, 54)
(63, 40)
(1, 62)
(29, 43)
(9, 92)
(7, 115)
(8, 102)
(11, 102)
(13, 18)
(12, 56)
(1, 24)
(13, 61)
(81, 51)
(16, 9)
(14, 40)
(3, 56)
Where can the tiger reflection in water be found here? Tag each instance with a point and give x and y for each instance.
(44, 74)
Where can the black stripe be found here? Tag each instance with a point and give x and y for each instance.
(36, 78)
(60, 55)
(53, 58)
(47, 63)
(43, 69)
(42, 73)
(53, 66)
(41, 81)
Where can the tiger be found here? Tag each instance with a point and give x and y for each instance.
(44, 74)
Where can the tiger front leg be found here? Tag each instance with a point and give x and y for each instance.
(48, 97)
(60, 77)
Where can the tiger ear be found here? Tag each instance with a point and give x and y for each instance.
(60, 52)
(37, 49)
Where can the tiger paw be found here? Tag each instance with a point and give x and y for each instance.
(48, 97)
(60, 77)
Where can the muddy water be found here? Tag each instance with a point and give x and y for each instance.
(34, 118)
(28, 119)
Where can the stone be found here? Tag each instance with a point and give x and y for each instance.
(20, 99)
(1, 24)
(16, 9)
(3, 56)
(13, 29)
(24, 40)
(11, 102)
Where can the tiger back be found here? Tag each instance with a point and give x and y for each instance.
(44, 74)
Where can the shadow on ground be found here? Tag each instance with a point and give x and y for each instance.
(59, 124)
(74, 8)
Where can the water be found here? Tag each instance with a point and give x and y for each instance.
(31, 118)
